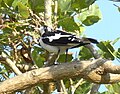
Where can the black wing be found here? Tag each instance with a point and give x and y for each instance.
(63, 39)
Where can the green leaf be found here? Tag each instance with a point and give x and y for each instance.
(37, 5)
(116, 88)
(106, 92)
(2, 70)
(63, 57)
(0, 1)
(23, 10)
(80, 4)
(107, 48)
(113, 89)
(118, 53)
(90, 2)
(102, 46)
(64, 5)
(38, 56)
(25, 2)
(85, 54)
(15, 2)
(90, 16)
(90, 20)
(119, 9)
(84, 88)
(116, 40)
(69, 24)
(8, 2)
(110, 88)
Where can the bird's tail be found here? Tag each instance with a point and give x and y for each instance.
(85, 41)
(89, 40)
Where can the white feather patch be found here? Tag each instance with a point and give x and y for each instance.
(57, 36)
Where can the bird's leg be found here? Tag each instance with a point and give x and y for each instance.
(57, 57)
(66, 57)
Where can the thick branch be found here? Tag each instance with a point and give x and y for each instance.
(111, 68)
(84, 69)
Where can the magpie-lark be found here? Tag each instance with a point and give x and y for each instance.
(58, 41)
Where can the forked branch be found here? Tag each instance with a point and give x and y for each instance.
(94, 71)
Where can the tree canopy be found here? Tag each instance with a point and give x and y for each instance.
(22, 60)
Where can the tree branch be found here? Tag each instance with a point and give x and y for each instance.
(94, 89)
(48, 12)
(85, 69)
(10, 63)
(111, 68)
(48, 22)
(93, 51)
(74, 87)
(96, 55)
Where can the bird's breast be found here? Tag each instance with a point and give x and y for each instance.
(49, 48)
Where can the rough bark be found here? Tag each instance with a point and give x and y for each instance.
(48, 12)
(48, 22)
(88, 70)
(96, 55)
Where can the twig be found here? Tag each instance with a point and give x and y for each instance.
(63, 87)
(5, 76)
(74, 87)
(11, 63)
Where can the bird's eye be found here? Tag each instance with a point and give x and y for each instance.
(45, 28)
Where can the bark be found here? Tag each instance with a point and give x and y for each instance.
(95, 88)
(48, 12)
(88, 70)
(96, 55)
(48, 22)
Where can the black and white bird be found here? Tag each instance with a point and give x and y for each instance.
(58, 41)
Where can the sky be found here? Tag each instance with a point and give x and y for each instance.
(108, 28)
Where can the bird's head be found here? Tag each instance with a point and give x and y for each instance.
(44, 29)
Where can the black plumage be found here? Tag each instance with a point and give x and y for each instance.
(60, 38)
(58, 41)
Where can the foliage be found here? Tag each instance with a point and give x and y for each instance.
(112, 89)
(18, 19)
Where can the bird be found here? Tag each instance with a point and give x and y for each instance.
(59, 41)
